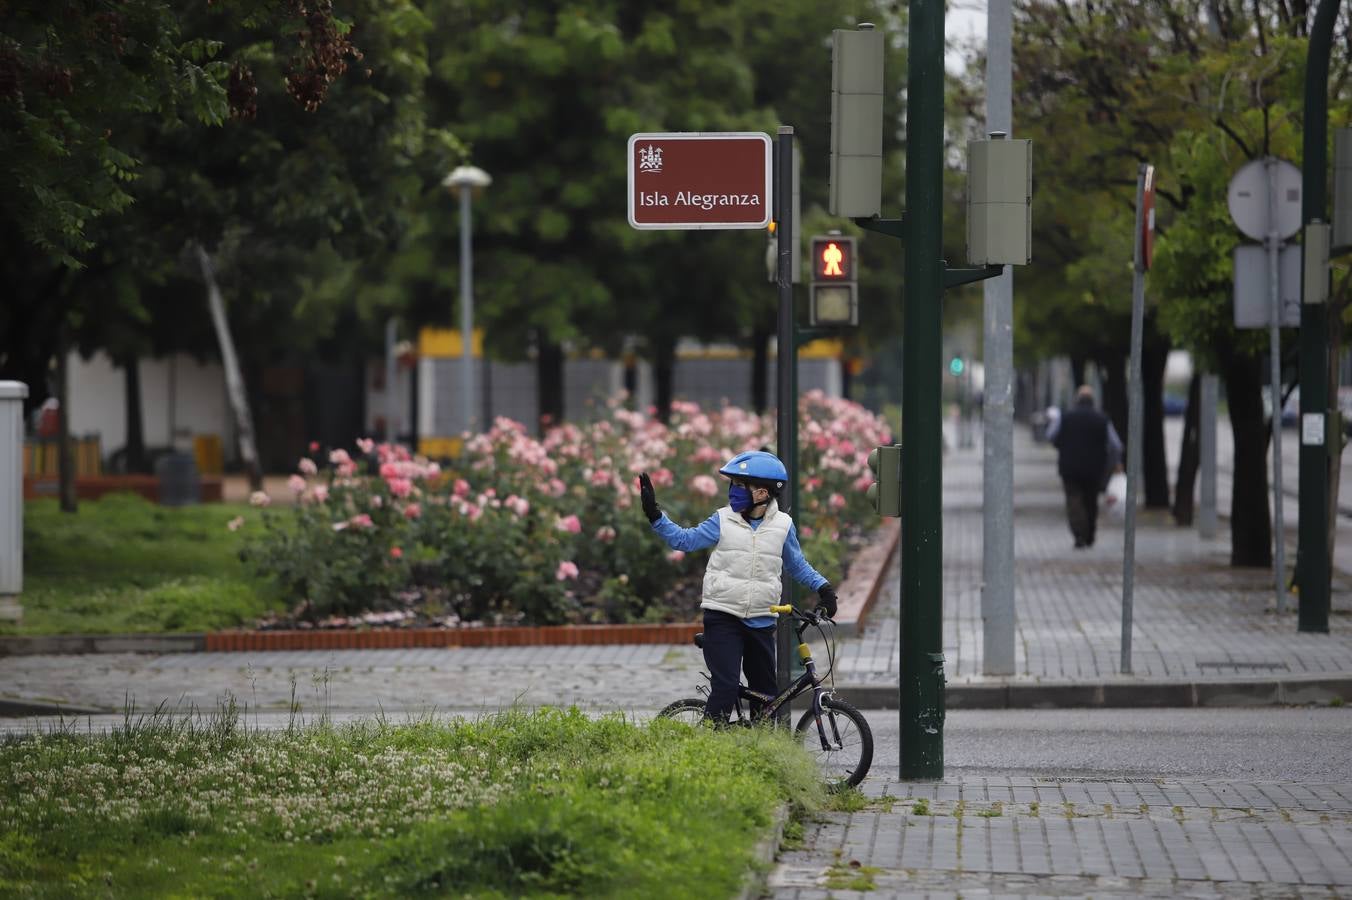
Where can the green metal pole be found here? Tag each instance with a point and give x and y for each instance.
(786, 399)
(1313, 557)
(922, 679)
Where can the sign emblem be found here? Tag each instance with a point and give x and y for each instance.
(650, 159)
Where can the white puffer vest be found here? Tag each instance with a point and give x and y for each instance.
(743, 574)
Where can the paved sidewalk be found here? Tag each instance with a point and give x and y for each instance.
(1041, 837)
(1195, 618)
(1199, 626)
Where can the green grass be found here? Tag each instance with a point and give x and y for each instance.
(518, 805)
(123, 564)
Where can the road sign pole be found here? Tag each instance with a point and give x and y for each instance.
(1313, 557)
(922, 661)
(786, 400)
(1134, 416)
(1274, 247)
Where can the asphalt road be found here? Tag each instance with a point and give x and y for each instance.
(1309, 745)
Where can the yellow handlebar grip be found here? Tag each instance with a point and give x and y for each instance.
(782, 610)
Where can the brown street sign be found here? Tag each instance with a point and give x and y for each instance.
(695, 179)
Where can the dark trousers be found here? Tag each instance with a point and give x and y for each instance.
(730, 646)
(1082, 511)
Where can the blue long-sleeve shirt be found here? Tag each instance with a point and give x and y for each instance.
(706, 535)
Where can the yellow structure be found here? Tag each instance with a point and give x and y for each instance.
(446, 342)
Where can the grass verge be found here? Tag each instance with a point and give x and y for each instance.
(549, 803)
(123, 564)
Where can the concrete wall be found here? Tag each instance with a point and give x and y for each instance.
(177, 393)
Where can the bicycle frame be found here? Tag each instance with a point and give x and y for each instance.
(805, 682)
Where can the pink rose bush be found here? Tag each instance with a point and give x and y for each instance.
(520, 529)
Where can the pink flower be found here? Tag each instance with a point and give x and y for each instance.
(361, 520)
(835, 501)
(806, 531)
(461, 487)
(556, 488)
(258, 498)
(676, 555)
(321, 493)
(338, 457)
(605, 534)
(235, 524)
(296, 483)
(663, 477)
(314, 446)
(518, 505)
(599, 478)
(395, 552)
(412, 511)
(704, 484)
(400, 487)
(570, 524)
(389, 470)
(566, 570)
(307, 466)
(366, 445)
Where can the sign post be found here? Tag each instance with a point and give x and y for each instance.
(1145, 242)
(1264, 201)
(700, 180)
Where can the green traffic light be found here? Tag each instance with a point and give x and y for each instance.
(956, 366)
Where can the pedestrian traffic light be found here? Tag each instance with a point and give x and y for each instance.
(834, 291)
(885, 491)
(956, 366)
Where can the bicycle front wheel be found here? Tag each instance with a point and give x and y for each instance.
(689, 711)
(849, 752)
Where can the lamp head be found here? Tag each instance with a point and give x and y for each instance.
(463, 177)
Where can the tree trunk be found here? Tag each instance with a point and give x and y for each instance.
(65, 458)
(549, 380)
(234, 381)
(760, 363)
(664, 370)
(1077, 364)
(1250, 518)
(1189, 454)
(1154, 462)
(1114, 370)
(134, 453)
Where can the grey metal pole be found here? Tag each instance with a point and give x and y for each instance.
(466, 313)
(1274, 246)
(391, 395)
(998, 615)
(1206, 519)
(1134, 416)
(785, 399)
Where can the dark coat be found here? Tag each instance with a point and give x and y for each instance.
(1082, 446)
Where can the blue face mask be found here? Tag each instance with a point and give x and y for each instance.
(739, 498)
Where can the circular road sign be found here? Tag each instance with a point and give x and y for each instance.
(1250, 205)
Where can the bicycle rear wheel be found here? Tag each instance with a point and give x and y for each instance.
(689, 711)
(846, 761)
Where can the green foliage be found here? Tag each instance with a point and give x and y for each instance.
(519, 804)
(127, 565)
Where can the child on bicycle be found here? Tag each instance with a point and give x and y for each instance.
(754, 541)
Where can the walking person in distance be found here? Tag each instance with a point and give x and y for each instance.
(1088, 449)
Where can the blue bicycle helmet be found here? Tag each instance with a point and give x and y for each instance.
(757, 465)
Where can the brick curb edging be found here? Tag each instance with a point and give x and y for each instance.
(857, 594)
(1121, 695)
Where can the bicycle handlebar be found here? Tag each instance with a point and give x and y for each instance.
(810, 616)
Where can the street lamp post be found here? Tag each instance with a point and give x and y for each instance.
(465, 180)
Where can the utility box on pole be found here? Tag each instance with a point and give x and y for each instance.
(999, 202)
(12, 395)
(856, 123)
(1342, 190)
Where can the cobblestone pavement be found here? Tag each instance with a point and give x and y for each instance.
(1194, 617)
(1030, 836)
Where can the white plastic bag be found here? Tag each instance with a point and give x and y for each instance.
(1115, 496)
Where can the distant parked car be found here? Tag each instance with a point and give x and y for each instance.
(1175, 405)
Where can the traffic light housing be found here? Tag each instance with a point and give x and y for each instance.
(885, 491)
(835, 292)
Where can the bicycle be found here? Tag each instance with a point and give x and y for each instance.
(842, 740)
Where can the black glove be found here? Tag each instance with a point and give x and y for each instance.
(648, 498)
(826, 603)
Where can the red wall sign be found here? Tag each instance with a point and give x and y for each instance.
(699, 180)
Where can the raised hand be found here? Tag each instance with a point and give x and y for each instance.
(648, 497)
